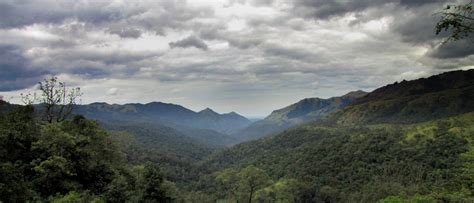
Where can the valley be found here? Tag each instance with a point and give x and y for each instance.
(406, 141)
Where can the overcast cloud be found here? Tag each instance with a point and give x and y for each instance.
(248, 56)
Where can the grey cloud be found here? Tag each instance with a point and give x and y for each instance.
(241, 41)
(191, 41)
(105, 57)
(153, 16)
(290, 53)
(414, 20)
(414, 3)
(90, 64)
(251, 2)
(244, 43)
(417, 26)
(448, 63)
(323, 9)
(90, 72)
(28, 12)
(455, 49)
(126, 32)
(16, 71)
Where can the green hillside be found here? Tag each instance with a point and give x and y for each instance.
(162, 139)
(419, 100)
(406, 142)
(433, 160)
(306, 110)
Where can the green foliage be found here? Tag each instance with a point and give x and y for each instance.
(162, 139)
(425, 99)
(283, 190)
(362, 164)
(244, 184)
(415, 199)
(459, 19)
(77, 197)
(69, 161)
(152, 183)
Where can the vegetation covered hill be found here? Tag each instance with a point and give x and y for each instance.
(165, 114)
(162, 139)
(419, 100)
(388, 155)
(306, 110)
(431, 160)
(167, 128)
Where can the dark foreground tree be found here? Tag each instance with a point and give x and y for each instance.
(72, 160)
(56, 99)
(458, 20)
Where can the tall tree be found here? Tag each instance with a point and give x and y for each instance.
(243, 184)
(58, 99)
(153, 184)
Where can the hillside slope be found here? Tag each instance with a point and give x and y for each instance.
(162, 139)
(164, 113)
(306, 110)
(438, 96)
(362, 164)
(410, 141)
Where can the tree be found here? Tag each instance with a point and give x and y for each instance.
(457, 18)
(283, 190)
(154, 190)
(57, 99)
(243, 184)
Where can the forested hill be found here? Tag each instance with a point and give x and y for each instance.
(406, 157)
(438, 96)
(306, 110)
(429, 162)
(164, 113)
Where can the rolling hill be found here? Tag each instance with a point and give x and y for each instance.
(164, 113)
(418, 100)
(306, 110)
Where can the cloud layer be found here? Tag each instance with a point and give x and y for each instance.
(250, 56)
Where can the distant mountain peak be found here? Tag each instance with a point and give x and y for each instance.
(99, 103)
(154, 103)
(208, 111)
(356, 94)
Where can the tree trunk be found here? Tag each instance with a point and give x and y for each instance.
(251, 194)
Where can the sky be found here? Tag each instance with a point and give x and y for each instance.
(247, 56)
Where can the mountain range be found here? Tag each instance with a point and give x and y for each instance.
(304, 111)
(164, 113)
